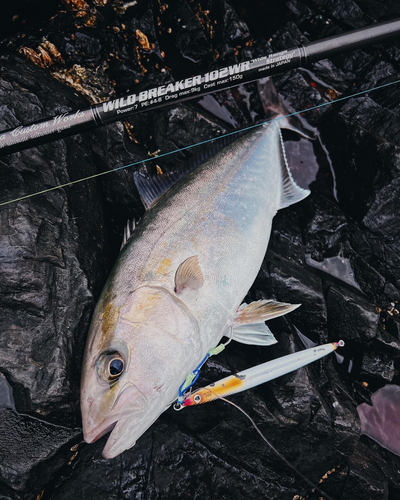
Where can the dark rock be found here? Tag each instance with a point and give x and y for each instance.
(18, 16)
(299, 8)
(379, 218)
(87, 48)
(371, 159)
(6, 394)
(300, 95)
(171, 133)
(190, 37)
(53, 262)
(377, 365)
(350, 315)
(31, 450)
(337, 253)
(145, 471)
(365, 470)
(235, 29)
(292, 283)
(324, 228)
(390, 339)
(286, 238)
(348, 13)
(361, 474)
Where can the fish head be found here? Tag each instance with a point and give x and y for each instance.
(137, 356)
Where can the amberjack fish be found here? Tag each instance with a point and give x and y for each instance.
(177, 286)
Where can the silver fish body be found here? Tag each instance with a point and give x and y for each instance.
(220, 212)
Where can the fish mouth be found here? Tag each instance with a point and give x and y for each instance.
(125, 434)
(129, 405)
(99, 431)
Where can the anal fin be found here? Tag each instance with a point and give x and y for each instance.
(255, 334)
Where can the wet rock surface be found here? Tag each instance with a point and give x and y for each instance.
(336, 253)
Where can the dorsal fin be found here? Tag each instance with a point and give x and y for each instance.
(291, 192)
(152, 186)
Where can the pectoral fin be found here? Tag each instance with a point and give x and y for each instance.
(262, 310)
(255, 334)
(189, 275)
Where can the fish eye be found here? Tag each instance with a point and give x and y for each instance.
(115, 367)
(110, 366)
(197, 398)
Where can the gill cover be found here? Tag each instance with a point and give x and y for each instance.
(129, 379)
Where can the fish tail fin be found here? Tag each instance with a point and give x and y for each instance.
(283, 119)
(291, 193)
(275, 109)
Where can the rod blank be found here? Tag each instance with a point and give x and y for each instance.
(67, 124)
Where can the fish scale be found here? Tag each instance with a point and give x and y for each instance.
(211, 224)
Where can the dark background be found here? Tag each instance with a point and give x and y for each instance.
(337, 252)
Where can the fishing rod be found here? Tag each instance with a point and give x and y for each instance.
(67, 124)
(184, 148)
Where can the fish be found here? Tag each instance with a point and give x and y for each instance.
(178, 283)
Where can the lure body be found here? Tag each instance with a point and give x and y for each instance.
(260, 374)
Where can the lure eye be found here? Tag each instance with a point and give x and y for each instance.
(197, 398)
(110, 366)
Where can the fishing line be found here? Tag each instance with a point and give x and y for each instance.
(71, 183)
(192, 377)
(310, 483)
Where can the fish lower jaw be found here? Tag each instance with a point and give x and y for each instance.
(128, 430)
(99, 431)
(124, 436)
(112, 452)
